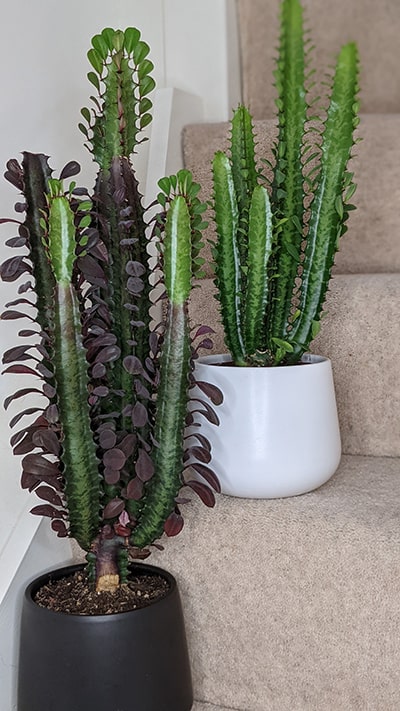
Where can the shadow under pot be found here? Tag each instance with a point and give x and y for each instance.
(130, 661)
(279, 432)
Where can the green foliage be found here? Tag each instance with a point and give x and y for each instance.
(107, 454)
(274, 255)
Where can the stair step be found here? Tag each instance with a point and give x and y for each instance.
(292, 604)
(372, 243)
(361, 334)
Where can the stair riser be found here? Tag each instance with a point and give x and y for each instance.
(361, 335)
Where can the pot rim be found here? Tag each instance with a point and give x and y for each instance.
(57, 573)
(225, 360)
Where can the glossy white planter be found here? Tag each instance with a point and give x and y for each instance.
(279, 432)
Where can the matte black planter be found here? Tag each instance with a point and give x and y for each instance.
(130, 661)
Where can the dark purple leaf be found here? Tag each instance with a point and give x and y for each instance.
(212, 392)
(49, 391)
(16, 353)
(101, 391)
(98, 370)
(154, 341)
(47, 439)
(128, 444)
(60, 528)
(29, 481)
(108, 438)
(134, 490)
(21, 369)
(12, 269)
(17, 302)
(23, 288)
(39, 466)
(17, 241)
(113, 508)
(135, 285)
(108, 354)
(18, 394)
(111, 476)
(17, 417)
(114, 458)
(12, 315)
(139, 415)
(51, 414)
(47, 493)
(203, 492)
(141, 390)
(91, 270)
(207, 344)
(135, 269)
(44, 371)
(46, 510)
(203, 440)
(208, 413)
(203, 331)
(133, 365)
(173, 524)
(202, 455)
(208, 475)
(144, 466)
(27, 332)
(72, 168)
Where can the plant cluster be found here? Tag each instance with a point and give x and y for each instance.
(277, 237)
(106, 453)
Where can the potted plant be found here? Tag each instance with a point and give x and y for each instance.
(275, 247)
(105, 448)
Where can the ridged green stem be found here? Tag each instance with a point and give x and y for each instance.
(70, 369)
(288, 193)
(228, 267)
(174, 379)
(327, 209)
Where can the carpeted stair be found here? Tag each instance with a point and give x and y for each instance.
(294, 604)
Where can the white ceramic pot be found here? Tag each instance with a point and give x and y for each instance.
(279, 432)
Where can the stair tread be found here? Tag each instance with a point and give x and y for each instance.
(308, 584)
(372, 243)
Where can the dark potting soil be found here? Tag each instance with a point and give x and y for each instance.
(76, 596)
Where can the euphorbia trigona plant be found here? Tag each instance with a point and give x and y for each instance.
(107, 453)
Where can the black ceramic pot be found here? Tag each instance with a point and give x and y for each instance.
(130, 661)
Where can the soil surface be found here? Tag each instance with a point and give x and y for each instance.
(76, 596)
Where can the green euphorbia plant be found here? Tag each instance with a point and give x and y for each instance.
(106, 453)
(277, 237)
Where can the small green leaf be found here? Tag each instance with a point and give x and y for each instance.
(85, 222)
(132, 37)
(165, 185)
(108, 36)
(141, 51)
(94, 79)
(145, 120)
(315, 328)
(95, 60)
(100, 45)
(339, 206)
(285, 346)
